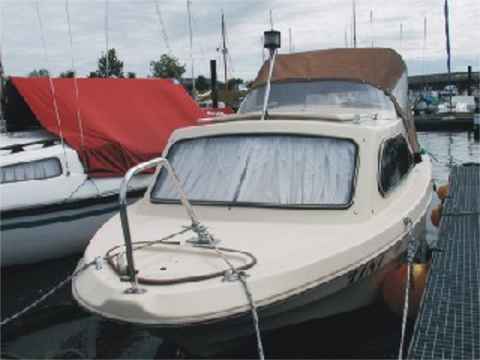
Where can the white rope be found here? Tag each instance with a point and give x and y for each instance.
(75, 84)
(52, 88)
(47, 294)
(411, 250)
(163, 30)
(201, 231)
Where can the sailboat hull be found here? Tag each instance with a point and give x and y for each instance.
(53, 231)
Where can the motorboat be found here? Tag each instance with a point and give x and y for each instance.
(59, 181)
(313, 201)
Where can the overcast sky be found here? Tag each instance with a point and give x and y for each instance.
(134, 30)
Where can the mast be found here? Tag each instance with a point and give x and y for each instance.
(194, 92)
(424, 47)
(224, 51)
(290, 48)
(354, 25)
(107, 60)
(401, 36)
(1, 92)
(372, 33)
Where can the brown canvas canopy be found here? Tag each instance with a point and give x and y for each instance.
(379, 67)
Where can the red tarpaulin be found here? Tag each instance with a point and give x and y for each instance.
(124, 121)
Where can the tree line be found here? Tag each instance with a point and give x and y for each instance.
(167, 67)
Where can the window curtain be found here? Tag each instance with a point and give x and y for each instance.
(262, 169)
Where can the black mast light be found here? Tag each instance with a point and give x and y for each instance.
(272, 40)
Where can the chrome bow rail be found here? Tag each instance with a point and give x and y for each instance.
(203, 237)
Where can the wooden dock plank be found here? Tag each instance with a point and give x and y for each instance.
(448, 325)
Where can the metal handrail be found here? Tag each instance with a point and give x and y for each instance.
(131, 272)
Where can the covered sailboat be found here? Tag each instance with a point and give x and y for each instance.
(68, 144)
(311, 206)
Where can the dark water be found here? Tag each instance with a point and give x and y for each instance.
(60, 329)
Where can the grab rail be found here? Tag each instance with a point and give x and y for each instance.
(131, 272)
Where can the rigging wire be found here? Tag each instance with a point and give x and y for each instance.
(199, 43)
(163, 29)
(75, 85)
(190, 32)
(107, 62)
(52, 88)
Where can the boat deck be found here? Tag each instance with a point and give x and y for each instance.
(448, 325)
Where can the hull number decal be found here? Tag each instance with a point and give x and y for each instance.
(365, 269)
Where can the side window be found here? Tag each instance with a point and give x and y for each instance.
(395, 162)
(33, 170)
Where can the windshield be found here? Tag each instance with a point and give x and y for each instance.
(312, 96)
(262, 170)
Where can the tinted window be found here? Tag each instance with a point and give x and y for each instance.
(33, 170)
(269, 170)
(395, 162)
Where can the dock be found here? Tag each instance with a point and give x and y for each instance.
(445, 122)
(448, 324)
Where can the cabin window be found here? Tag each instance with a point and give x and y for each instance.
(33, 170)
(315, 96)
(395, 162)
(262, 170)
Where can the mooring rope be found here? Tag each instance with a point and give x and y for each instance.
(48, 293)
(232, 274)
(411, 251)
(241, 276)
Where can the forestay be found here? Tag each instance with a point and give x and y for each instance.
(264, 170)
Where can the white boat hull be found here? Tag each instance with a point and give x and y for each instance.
(53, 231)
(347, 292)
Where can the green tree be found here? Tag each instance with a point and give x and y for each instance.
(115, 66)
(131, 75)
(202, 83)
(67, 74)
(233, 83)
(39, 73)
(168, 67)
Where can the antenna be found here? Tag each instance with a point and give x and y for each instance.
(190, 32)
(271, 19)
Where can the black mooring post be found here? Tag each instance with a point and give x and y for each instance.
(476, 120)
(470, 82)
(213, 77)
